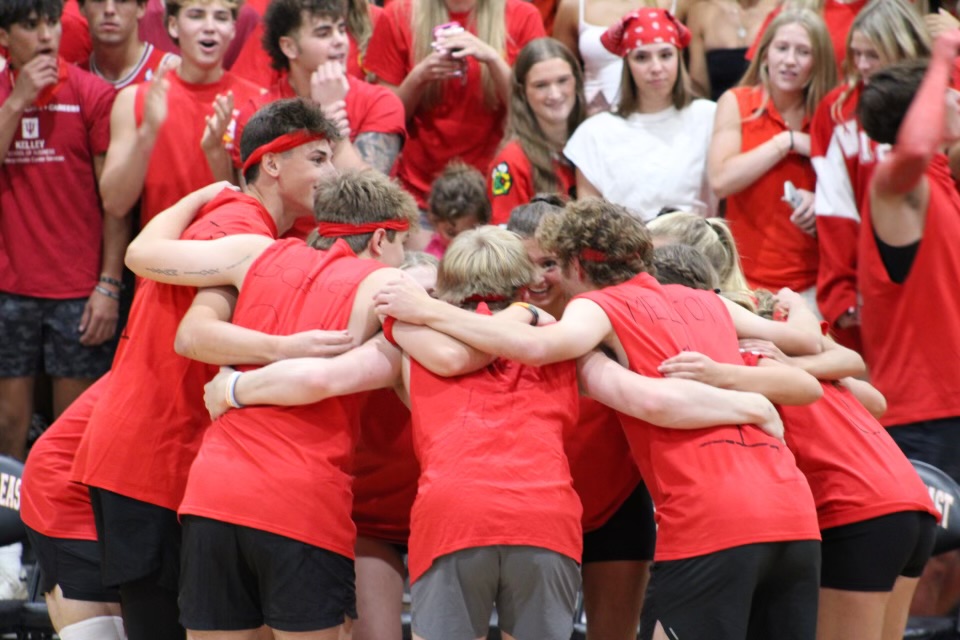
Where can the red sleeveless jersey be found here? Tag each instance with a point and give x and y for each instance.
(144, 433)
(855, 469)
(714, 488)
(604, 473)
(49, 502)
(911, 340)
(287, 470)
(493, 469)
(385, 469)
(775, 253)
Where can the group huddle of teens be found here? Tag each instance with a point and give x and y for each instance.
(608, 393)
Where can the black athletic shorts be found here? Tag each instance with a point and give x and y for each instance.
(935, 442)
(74, 565)
(137, 540)
(755, 591)
(629, 534)
(236, 578)
(870, 555)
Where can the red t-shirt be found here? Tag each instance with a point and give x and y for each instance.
(911, 340)
(494, 472)
(75, 43)
(855, 469)
(50, 503)
(704, 482)
(510, 180)
(774, 252)
(254, 63)
(150, 60)
(298, 459)
(178, 165)
(603, 470)
(54, 143)
(385, 469)
(154, 399)
(461, 125)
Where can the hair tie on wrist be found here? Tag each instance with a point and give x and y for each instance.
(231, 394)
(790, 150)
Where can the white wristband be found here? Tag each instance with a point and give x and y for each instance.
(232, 390)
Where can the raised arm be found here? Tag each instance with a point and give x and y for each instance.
(922, 130)
(898, 193)
(583, 327)
(672, 403)
(36, 75)
(731, 170)
(373, 365)
(131, 146)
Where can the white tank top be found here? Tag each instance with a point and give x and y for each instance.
(601, 69)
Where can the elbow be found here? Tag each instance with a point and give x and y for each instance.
(183, 342)
(720, 185)
(805, 391)
(135, 258)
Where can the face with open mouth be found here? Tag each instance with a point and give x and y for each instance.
(321, 39)
(546, 290)
(204, 31)
(35, 36)
(790, 58)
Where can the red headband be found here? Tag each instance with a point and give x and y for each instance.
(645, 26)
(593, 255)
(285, 142)
(340, 229)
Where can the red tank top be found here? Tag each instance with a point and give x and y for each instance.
(490, 446)
(704, 481)
(49, 502)
(287, 470)
(177, 165)
(775, 253)
(911, 340)
(855, 469)
(604, 473)
(139, 412)
(385, 469)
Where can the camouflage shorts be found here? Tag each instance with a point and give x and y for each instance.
(38, 334)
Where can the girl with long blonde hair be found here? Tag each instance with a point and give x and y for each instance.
(759, 154)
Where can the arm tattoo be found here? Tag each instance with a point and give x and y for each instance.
(163, 272)
(379, 150)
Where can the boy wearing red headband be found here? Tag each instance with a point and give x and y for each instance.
(724, 548)
(307, 43)
(56, 315)
(141, 438)
(286, 561)
(175, 134)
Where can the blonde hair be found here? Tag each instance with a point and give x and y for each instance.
(358, 24)
(895, 29)
(486, 262)
(358, 198)
(823, 75)
(711, 236)
(414, 259)
(489, 18)
(682, 95)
